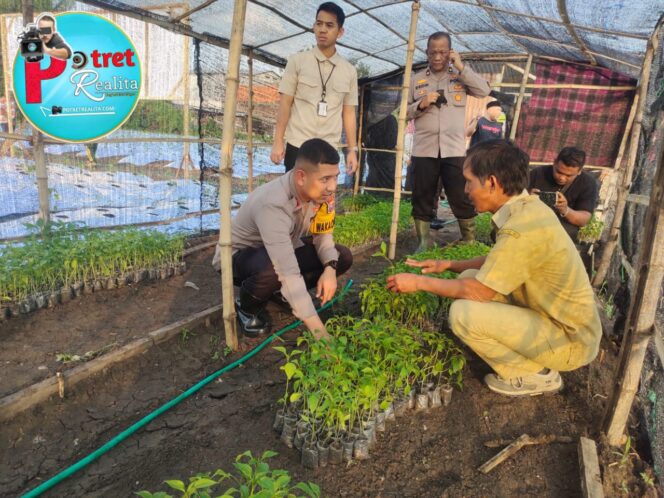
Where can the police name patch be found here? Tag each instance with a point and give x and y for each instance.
(323, 221)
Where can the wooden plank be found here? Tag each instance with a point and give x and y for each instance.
(13, 404)
(169, 331)
(591, 482)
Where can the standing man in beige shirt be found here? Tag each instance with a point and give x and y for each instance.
(437, 102)
(318, 94)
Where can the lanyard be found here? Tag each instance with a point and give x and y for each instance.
(324, 83)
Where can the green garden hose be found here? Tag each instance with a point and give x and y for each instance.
(83, 462)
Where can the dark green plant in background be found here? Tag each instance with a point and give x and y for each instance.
(370, 223)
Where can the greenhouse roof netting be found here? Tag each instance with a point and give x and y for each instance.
(611, 33)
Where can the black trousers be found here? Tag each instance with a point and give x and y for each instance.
(289, 157)
(253, 269)
(427, 171)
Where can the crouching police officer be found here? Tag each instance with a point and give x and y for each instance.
(282, 241)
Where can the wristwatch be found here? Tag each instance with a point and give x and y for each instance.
(332, 263)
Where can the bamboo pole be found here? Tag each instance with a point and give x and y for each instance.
(186, 163)
(402, 128)
(570, 86)
(619, 158)
(360, 163)
(38, 142)
(146, 66)
(519, 101)
(226, 172)
(6, 75)
(626, 182)
(250, 122)
(642, 311)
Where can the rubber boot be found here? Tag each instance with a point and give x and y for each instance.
(254, 320)
(423, 236)
(437, 224)
(467, 228)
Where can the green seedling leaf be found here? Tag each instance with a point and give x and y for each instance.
(176, 484)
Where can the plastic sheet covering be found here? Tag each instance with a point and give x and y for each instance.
(271, 25)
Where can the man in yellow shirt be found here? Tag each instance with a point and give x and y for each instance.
(527, 308)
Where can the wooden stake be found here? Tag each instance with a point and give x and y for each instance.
(626, 182)
(61, 384)
(591, 481)
(250, 122)
(226, 173)
(641, 317)
(519, 101)
(402, 128)
(358, 173)
(504, 454)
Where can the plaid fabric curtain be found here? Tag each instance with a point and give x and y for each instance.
(593, 120)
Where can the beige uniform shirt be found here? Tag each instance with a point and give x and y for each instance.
(443, 130)
(535, 263)
(273, 217)
(303, 81)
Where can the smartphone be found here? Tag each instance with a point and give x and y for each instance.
(549, 198)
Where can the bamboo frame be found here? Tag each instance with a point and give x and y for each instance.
(167, 221)
(619, 158)
(38, 142)
(127, 140)
(519, 101)
(499, 26)
(186, 163)
(250, 123)
(383, 189)
(623, 191)
(641, 316)
(553, 21)
(360, 162)
(226, 172)
(402, 128)
(562, 10)
(569, 86)
(6, 76)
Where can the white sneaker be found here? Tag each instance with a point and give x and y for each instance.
(528, 385)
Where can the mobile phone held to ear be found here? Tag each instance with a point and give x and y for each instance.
(548, 198)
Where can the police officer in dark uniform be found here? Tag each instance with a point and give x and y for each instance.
(437, 102)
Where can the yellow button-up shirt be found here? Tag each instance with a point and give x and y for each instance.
(535, 264)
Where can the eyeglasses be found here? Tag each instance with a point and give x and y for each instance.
(434, 53)
(45, 30)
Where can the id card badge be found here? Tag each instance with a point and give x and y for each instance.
(322, 108)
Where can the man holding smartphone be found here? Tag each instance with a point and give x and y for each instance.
(437, 103)
(567, 189)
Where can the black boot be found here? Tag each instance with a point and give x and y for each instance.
(437, 224)
(254, 320)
